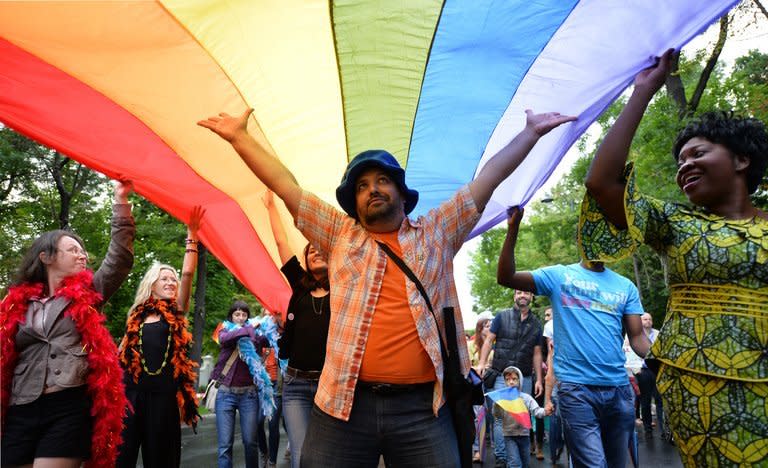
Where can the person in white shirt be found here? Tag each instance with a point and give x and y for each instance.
(646, 381)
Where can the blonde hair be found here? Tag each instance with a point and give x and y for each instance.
(144, 291)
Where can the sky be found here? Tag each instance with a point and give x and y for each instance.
(744, 37)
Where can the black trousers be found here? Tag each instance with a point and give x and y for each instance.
(155, 427)
(646, 380)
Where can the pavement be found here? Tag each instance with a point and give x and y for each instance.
(199, 450)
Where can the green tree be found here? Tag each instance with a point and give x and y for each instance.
(41, 190)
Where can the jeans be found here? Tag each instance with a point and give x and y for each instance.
(518, 451)
(273, 426)
(499, 449)
(646, 380)
(298, 398)
(556, 441)
(247, 404)
(597, 422)
(401, 427)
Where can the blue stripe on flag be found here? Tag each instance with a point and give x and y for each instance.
(479, 56)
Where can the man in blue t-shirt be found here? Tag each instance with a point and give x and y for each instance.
(590, 303)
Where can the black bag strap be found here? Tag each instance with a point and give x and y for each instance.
(444, 350)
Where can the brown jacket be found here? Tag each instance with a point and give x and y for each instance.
(52, 355)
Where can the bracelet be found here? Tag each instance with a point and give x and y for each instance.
(191, 241)
(191, 250)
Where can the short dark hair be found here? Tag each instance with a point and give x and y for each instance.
(745, 136)
(238, 305)
(32, 269)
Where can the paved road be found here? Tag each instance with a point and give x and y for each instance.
(199, 451)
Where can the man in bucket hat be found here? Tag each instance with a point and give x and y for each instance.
(380, 393)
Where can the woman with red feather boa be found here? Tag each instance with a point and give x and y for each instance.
(159, 375)
(62, 394)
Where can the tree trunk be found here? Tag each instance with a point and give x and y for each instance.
(693, 104)
(675, 87)
(638, 283)
(56, 168)
(199, 320)
(761, 7)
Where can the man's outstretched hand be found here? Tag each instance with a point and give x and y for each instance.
(541, 124)
(227, 126)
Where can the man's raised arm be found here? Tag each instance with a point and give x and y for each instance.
(262, 163)
(506, 161)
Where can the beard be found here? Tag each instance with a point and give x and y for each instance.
(380, 213)
(522, 302)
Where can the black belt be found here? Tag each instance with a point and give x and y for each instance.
(302, 374)
(389, 389)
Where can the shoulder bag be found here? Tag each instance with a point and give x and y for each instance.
(209, 397)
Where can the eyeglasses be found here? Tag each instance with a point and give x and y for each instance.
(76, 251)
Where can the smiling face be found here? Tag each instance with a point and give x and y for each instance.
(523, 299)
(707, 171)
(378, 198)
(70, 258)
(316, 262)
(166, 285)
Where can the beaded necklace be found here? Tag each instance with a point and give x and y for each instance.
(141, 350)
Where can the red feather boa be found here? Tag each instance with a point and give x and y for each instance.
(105, 377)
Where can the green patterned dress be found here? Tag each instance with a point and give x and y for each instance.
(714, 342)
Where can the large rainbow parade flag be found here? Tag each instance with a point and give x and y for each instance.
(442, 84)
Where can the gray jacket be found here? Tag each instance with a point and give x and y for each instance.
(52, 355)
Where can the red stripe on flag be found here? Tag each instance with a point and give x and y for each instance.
(59, 111)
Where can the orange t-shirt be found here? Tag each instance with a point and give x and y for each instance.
(394, 353)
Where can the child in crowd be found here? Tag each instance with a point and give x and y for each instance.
(516, 430)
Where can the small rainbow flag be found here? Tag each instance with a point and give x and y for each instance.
(509, 399)
(480, 431)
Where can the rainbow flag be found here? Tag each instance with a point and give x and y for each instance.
(509, 399)
(216, 332)
(480, 431)
(442, 84)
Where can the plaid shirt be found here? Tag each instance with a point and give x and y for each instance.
(356, 268)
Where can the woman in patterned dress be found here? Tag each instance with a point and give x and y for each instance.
(714, 341)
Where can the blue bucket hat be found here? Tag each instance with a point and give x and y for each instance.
(345, 193)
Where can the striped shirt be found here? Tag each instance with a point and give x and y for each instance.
(356, 267)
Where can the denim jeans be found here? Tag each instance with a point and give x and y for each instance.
(401, 427)
(499, 448)
(556, 441)
(518, 451)
(298, 398)
(597, 423)
(247, 404)
(273, 426)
